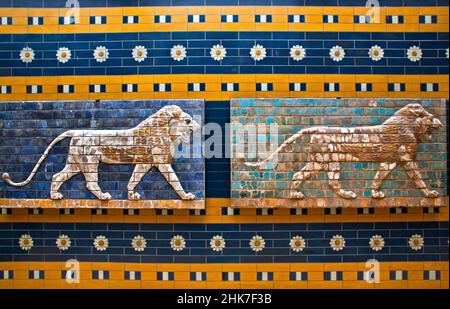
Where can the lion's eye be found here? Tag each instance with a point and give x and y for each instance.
(188, 121)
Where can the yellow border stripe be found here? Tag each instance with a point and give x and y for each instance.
(179, 19)
(214, 215)
(248, 273)
(213, 90)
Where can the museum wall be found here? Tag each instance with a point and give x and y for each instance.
(315, 63)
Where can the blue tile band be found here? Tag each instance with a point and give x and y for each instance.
(237, 236)
(238, 60)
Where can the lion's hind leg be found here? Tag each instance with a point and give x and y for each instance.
(71, 169)
(308, 171)
(90, 172)
(333, 180)
(384, 171)
(139, 172)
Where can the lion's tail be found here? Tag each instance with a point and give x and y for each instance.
(282, 147)
(7, 178)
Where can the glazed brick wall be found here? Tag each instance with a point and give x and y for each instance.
(237, 225)
(293, 115)
(29, 127)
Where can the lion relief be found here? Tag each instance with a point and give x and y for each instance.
(393, 143)
(150, 144)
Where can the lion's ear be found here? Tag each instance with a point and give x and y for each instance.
(175, 111)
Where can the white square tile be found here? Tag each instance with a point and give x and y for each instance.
(333, 276)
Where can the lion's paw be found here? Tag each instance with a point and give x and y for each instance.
(56, 196)
(134, 196)
(378, 194)
(297, 195)
(105, 196)
(433, 194)
(349, 194)
(189, 197)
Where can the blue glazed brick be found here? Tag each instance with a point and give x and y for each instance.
(423, 225)
(192, 182)
(190, 259)
(323, 226)
(256, 259)
(27, 226)
(324, 259)
(277, 44)
(5, 226)
(187, 2)
(91, 226)
(390, 225)
(222, 259)
(121, 227)
(124, 259)
(59, 226)
(357, 226)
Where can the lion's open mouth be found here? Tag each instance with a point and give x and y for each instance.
(429, 134)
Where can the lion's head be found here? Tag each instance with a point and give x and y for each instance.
(424, 122)
(181, 124)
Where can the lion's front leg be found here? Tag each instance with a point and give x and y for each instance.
(169, 174)
(333, 180)
(412, 170)
(384, 171)
(139, 172)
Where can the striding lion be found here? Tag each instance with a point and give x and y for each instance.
(150, 144)
(392, 143)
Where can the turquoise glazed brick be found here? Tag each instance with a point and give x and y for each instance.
(293, 115)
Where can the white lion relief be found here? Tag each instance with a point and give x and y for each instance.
(150, 144)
